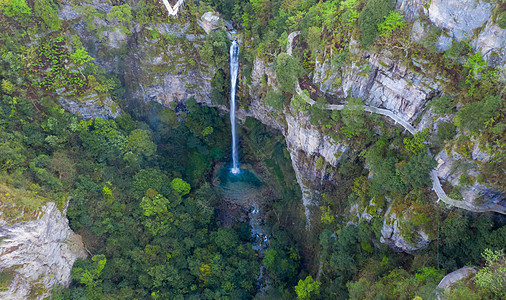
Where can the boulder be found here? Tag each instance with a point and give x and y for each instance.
(209, 21)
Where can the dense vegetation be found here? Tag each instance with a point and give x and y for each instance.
(140, 185)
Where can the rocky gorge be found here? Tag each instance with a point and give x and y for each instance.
(41, 252)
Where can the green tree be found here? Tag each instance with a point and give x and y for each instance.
(15, 9)
(140, 143)
(89, 275)
(353, 117)
(288, 71)
(180, 186)
(307, 288)
(392, 23)
(371, 16)
(492, 277)
(214, 52)
(473, 115)
(47, 10)
(416, 171)
(416, 144)
(122, 13)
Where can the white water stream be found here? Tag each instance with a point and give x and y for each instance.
(234, 68)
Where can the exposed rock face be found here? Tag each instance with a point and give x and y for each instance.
(381, 82)
(209, 21)
(492, 43)
(306, 144)
(460, 17)
(412, 9)
(455, 276)
(40, 254)
(92, 106)
(392, 236)
(448, 169)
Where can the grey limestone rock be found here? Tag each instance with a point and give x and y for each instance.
(209, 21)
(412, 9)
(460, 17)
(492, 43)
(39, 253)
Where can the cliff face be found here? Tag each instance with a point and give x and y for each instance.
(38, 254)
(162, 73)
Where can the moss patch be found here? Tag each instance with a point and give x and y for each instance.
(17, 205)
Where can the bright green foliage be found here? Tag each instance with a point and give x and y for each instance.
(350, 12)
(207, 131)
(416, 144)
(122, 13)
(307, 288)
(476, 65)
(81, 57)
(392, 23)
(7, 86)
(327, 215)
(180, 186)
(288, 71)
(492, 277)
(47, 10)
(52, 65)
(371, 16)
(90, 276)
(15, 8)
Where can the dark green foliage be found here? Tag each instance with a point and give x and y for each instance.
(443, 105)
(288, 71)
(501, 20)
(220, 86)
(473, 115)
(456, 52)
(372, 15)
(445, 131)
(416, 171)
(214, 52)
(276, 99)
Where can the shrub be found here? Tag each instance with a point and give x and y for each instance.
(392, 22)
(445, 131)
(47, 11)
(501, 20)
(372, 15)
(288, 71)
(15, 9)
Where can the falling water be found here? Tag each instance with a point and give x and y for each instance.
(234, 68)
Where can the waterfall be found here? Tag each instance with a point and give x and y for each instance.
(234, 68)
